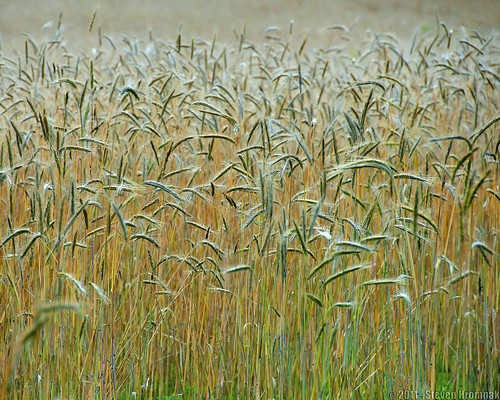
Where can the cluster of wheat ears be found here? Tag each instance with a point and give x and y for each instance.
(256, 221)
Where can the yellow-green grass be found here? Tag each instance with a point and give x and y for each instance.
(249, 221)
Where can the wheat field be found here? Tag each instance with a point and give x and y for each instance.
(253, 220)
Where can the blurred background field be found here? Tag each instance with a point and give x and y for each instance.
(198, 18)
